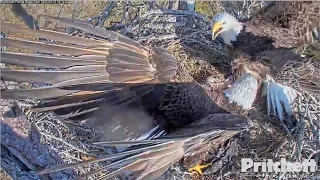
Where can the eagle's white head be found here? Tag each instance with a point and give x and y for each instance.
(227, 26)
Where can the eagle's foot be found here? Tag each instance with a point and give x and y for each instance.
(199, 168)
(279, 98)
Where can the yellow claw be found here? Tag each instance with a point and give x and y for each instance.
(198, 168)
(87, 157)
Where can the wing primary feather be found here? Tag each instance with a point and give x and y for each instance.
(53, 35)
(52, 108)
(98, 32)
(78, 113)
(22, 59)
(123, 58)
(126, 75)
(151, 174)
(49, 48)
(103, 78)
(130, 66)
(108, 157)
(35, 93)
(92, 68)
(127, 52)
(141, 164)
(114, 173)
(142, 142)
(44, 76)
(72, 100)
(158, 149)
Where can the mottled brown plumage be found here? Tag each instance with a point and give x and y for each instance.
(292, 70)
(288, 72)
(124, 90)
(282, 24)
(289, 24)
(284, 66)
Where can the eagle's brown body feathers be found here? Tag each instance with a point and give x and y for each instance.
(288, 24)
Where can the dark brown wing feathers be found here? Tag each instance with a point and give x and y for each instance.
(288, 24)
(113, 36)
(292, 70)
(111, 76)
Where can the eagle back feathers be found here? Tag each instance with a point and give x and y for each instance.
(292, 70)
(289, 24)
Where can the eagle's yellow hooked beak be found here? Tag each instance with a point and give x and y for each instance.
(216, 29)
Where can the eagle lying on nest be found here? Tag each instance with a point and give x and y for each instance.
(166, 113)
(263, 46)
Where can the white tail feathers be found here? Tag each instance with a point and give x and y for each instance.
(279, 98)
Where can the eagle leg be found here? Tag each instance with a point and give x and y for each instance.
(279, 98)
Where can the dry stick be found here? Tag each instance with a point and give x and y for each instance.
(65, 142)
(60, 10)
(303, 128)
(313, 126)
(298, 146)
(23, 140)
(48, 122)
(139, 20)
(104, 15)
(56, 138)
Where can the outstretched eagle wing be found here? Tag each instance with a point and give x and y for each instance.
(151, 161)
(108, 67)
(90, 75)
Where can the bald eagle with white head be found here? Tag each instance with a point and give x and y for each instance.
(267, 40)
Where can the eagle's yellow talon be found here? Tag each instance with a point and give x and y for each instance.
(86, 157)
(198, 168)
